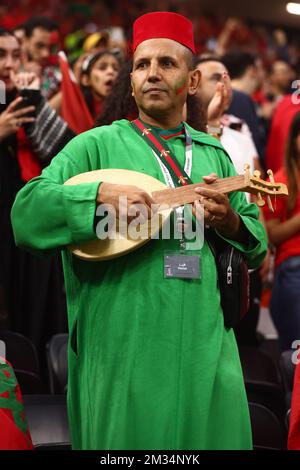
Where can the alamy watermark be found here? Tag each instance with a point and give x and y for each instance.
(296, 354)
(134, 222)
(296, 93)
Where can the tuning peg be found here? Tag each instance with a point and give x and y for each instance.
(271, 176)
(272, 180)
(270, 205)
(260, 201)
(247, 173)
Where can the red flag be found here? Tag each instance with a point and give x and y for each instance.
(294, 432)
(74, 108)
(14, 433)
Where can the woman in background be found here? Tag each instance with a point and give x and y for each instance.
(284, 233)
(98, 74)
(95, 73)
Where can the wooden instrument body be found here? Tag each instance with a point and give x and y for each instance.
(98, 250)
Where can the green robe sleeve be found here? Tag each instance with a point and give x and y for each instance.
(48, 215)
(256, 248)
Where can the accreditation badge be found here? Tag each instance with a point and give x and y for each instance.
(184, 266)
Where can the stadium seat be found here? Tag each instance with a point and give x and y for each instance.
(57, 358)
(29, 382)
(20, 351)
(262, 380)
(58, 446)
(288, 419)
(258, 366)
(47, 421)
(267, 432)
(287, 369)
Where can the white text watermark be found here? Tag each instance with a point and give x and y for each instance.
(141, 222)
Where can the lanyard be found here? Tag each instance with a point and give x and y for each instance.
(188, 161)
(171, 169)
(178, 176)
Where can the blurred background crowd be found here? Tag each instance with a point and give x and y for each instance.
(215, 30)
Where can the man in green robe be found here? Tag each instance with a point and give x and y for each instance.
(151, 365)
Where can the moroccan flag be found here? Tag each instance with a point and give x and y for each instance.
(14, 433)
(74, 108)
(294, 432)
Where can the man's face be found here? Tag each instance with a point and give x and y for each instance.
(10, 53)
(160, 77)
(211, 74)
(282, 75)
(39, 46)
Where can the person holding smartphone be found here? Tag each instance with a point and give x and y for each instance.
(31, 288)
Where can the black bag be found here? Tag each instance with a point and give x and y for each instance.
(233, 279)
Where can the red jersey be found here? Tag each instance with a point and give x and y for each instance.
(290, 247)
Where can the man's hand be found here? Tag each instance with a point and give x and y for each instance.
(137, 200)
(11, 119)
(77, 67)
(28, 80)
(219, 102)
(218, 213)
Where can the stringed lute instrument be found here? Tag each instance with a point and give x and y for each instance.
(171, 198)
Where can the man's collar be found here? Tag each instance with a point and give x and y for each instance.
(160, 129)
(198, 136)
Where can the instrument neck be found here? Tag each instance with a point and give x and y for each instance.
(175, 197)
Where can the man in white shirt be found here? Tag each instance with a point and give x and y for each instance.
(215, 95)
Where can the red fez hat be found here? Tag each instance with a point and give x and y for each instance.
(162, 24)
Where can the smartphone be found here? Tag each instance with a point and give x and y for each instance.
(27, 100)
